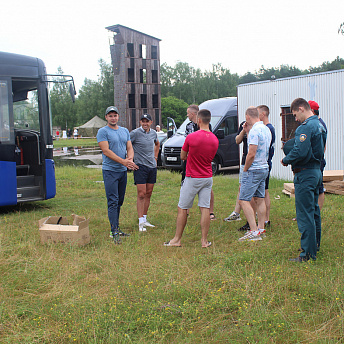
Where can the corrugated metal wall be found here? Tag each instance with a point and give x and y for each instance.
(327, 89)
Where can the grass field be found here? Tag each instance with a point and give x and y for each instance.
(75, 142)
(143, 292)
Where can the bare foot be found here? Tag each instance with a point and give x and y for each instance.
(208, 244)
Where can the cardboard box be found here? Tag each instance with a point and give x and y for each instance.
(56, 229)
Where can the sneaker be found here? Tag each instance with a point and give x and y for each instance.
(299, 259)
(245, 227)
(251, 236)
(233, 217)
(262, 233)
(142, 227)
(122, 233)
(119, 232)
(147, 224)
(116, 238)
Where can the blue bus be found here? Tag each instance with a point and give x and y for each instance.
(27, 171)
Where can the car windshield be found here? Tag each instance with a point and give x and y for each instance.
(161, 137)
(214, 120)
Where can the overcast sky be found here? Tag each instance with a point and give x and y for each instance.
(241, 35)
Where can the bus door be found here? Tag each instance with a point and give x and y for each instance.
(8, 182)
(29, 148)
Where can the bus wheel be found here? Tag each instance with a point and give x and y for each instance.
(215, 166)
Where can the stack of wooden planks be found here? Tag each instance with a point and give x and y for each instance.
(333, 183)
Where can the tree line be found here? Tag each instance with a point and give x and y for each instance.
(181, 85)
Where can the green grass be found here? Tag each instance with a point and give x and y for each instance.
(72, 142)
(143, 292)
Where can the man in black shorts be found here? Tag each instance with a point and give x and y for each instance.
(146, 149)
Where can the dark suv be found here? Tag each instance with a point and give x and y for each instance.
(224, 121)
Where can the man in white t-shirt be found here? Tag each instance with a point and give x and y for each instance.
(255, 172)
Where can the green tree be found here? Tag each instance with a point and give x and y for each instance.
(95, 96)
(166, 73)
(174, 108)
(337, 63)
(247, 78)
(283, 71)
(62, 108)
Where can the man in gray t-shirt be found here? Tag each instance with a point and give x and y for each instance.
(146, 149)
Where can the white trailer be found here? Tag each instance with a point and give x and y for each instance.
(327, 89)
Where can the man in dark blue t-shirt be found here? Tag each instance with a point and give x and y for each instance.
(264, 112)
(240, 138)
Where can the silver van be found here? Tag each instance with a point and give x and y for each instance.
(224, 123)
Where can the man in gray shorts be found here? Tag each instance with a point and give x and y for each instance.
(146, 149)
(199, 148)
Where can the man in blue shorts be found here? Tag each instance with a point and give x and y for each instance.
(146, 149)
(255, 172)
(118, 155)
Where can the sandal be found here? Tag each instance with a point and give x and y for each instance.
(168, 243)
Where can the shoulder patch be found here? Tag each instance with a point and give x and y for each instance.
(303, 137)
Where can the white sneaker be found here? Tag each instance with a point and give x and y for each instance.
(142, 227)
(233, 217)
(147, 224)
(262, 233)
(251, 236)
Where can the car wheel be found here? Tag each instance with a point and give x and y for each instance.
(215, 166)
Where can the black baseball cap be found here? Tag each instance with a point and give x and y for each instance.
(146, 116)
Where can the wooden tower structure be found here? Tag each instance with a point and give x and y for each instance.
(136, 65)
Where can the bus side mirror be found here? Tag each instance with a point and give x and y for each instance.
(220, 134)
(72, 92)
(169, 133)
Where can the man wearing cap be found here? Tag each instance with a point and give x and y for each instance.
(305, 157)
(118, 155)
(315, 109)
(146, 150)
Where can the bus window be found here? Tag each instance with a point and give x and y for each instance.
(4, 113)
(26, 112)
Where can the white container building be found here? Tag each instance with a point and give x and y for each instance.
(327, 89)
